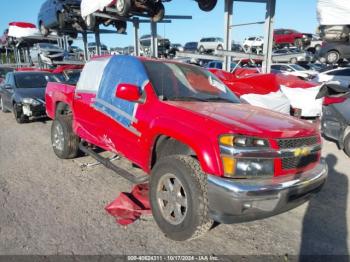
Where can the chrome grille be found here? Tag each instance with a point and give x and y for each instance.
(297, 142)
(298, 162)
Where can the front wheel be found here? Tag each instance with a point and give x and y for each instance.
(123, 7)
(44, 30)
(178, 197)
(294, 60)
(120, 26)
(298, 43)
(207, 5)
(333, 57)
(19, 116)
(158, 13)
(64, 142)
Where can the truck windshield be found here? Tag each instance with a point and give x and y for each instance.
(176, 82)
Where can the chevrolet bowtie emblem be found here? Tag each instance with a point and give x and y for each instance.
(302, 152)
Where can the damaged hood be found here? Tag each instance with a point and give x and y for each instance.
(35, 93)
(250, 120)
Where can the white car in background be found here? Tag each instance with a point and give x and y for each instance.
(295, 70)
(340, 75)
(210, 44)
(255, 41)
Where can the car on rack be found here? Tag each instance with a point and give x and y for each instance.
(288, 37)
(340, 75)
(46, 53)
(23, 93)
(175, 48)
(295, 70)
(119, 10)
(255, 41)
(219, 65)
(191, 47)
(92, 48)
(250, 164)
(293, 56)
(163, 45)
(334, 52)
(210, 44)
(62, 16)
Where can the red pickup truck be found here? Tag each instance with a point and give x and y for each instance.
(288, 36)
(207, 156)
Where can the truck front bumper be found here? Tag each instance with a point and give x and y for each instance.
(233, 201)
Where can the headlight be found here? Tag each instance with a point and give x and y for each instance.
(245, 167)
(243, 141)
(30, 101)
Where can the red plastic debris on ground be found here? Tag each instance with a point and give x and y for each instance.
(129, 207)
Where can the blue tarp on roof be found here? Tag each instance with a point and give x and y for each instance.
(120, 69)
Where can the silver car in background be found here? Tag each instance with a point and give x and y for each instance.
(46, 53)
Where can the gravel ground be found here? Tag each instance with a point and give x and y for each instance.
(50, 206)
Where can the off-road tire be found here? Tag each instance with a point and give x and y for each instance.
(121, 26)
(207, 5)
(158, 13)
(70, 140)
(20, 118)
(333, 57)
(196, 221)
(2, 107)
(125, 10)
(347, 145)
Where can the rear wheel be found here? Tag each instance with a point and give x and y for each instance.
(158, 13)
(43, 29)
(207, 5)
(61, 21)
(347, 145)
(178, 197)
(18, 113)
(120, 26)
(294, 60)
(90, 22)
(64, 142)
(123, 7)
(201, 49)
(298, 43)
(333, 57)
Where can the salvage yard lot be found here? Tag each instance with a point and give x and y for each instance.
(52, 206)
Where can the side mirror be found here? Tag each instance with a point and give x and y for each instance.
(128, 92)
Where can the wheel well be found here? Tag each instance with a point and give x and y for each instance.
(62, 109)
(167, 146)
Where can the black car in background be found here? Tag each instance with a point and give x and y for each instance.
(336, 115)
(191, 47)
(23, 93)
(334, 52)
